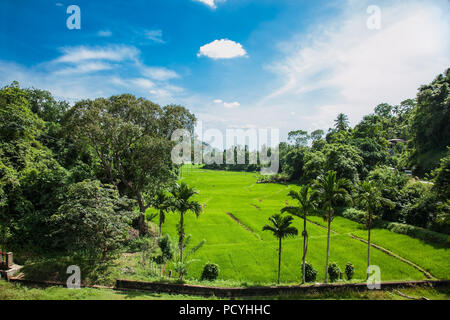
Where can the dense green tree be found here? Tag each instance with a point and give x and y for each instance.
(344, 159)
(93, 219)
(130, 137)
(429, 124)
(281, 228)
(331, 191)
(314, 165)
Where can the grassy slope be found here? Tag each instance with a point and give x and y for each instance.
(251, 255)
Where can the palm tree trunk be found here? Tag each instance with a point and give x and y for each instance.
(368, 247)
(305, 235)
(180, 242)
(328, 248)
(279, 260)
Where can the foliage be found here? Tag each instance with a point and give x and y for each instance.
(210, 272)
(310, 272)
(349, 270)
(334, 272)
(93, 219)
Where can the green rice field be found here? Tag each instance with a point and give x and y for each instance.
(236, 209)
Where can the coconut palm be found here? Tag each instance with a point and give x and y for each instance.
(307, 205)
(162, 202)
(331, 191)
(281, 228)
(370, 198)
(182, 203)
(341, 122)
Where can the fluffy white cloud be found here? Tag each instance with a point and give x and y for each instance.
(159, 73)
(209, 3)
(85, 68)
(228, 105)
(222, 49)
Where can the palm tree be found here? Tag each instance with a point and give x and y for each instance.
(281, 228)
(341, 122)
(331, 191)
(182, 203)
(162, 202)
(370, 198)
(307, 206)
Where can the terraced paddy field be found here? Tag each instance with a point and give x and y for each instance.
(236, 209)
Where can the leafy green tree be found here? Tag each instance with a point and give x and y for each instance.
(131, 139)
(299, 138)
(314, 165)
(344, 159)
(429, 124)
(331, 191)
(370, 198)
(307, 205)
(182, 203)
(281, 228)
(93, 219)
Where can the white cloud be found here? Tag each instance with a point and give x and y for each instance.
(110, 53)
(85, 68)
(344, 67)
(209, 3)
(222, 49)
(228, 105)
(231, 105)
(155, 35)
(159, 73)
(104, 33)
(143, 83)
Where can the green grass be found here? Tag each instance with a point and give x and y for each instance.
(249, 254)
(10, 291)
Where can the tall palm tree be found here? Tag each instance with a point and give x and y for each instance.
(182, 203)
(281, 228)
(307, 205)
(162, 202)
(341, 122)
(331, 191)
(370, 198)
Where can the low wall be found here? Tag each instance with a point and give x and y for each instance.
(260, 291)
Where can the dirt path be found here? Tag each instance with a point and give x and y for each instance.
(243, 225)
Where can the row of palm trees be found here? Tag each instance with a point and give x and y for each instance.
(321, 198)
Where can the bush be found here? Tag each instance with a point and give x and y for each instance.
(310, 272)
(417, 232)
(210, 272)
(333, 271)
(355, 215)
(349, 270)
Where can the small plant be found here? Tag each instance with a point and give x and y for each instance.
(310, 272)
(210, 272)
(333, 271)
(349, 270)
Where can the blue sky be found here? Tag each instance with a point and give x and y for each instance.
(286, 64)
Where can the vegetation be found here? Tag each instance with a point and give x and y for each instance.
(82, 184)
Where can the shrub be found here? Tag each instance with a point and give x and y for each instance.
(355, 215)
(349, 270)
(417, 232)
(210, 272)
(310, 272)
(333, 271)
